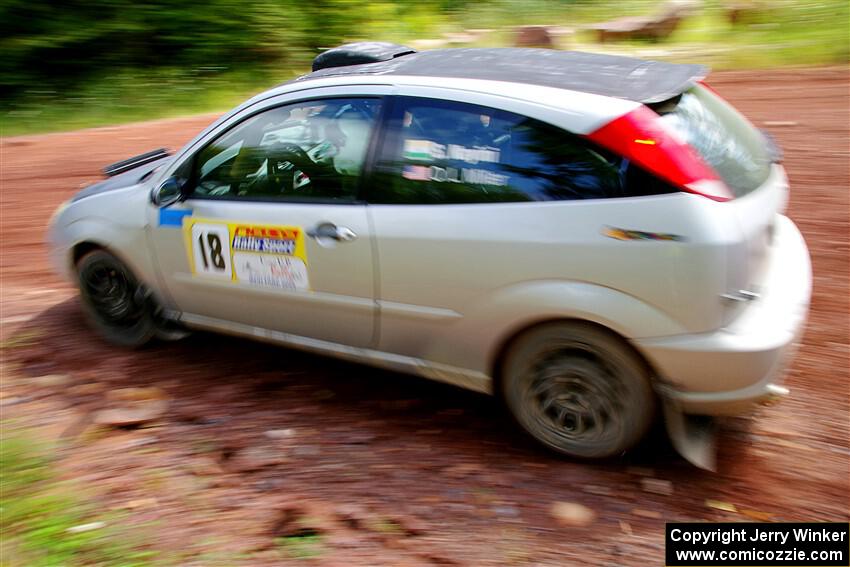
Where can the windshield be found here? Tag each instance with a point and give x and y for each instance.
(736, 150)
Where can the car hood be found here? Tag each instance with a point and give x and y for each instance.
(123, 180)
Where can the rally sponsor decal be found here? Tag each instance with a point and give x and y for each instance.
(271, 270)
(472, 175)
(259, 255)
(462, 156)
(418, 150)
(624, 234)
(426, 150)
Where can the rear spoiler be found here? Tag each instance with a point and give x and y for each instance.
(136, 161)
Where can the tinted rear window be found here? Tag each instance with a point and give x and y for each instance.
(736, 150)
(445, 152)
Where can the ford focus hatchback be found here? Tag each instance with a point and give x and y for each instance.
(588, 237)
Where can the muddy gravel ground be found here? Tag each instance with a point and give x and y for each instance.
(385, 469)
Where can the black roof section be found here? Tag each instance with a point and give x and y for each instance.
(609, 75)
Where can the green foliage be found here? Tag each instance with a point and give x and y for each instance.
(92, 62)
(306, 546)
(36, 512)
(771, 34)
(128, 95)
(60, 45)
(21, 339)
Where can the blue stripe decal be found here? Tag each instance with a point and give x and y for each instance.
(173, 217)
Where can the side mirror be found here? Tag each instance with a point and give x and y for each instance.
(169, 192)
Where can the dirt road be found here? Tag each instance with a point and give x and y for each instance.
(385, 469)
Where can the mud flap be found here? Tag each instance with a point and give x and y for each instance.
(168, 327)
(693, 436)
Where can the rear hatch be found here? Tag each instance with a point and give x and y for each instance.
(746, 160)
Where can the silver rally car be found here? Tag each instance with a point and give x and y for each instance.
(589, 237)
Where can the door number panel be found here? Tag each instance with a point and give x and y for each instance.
(257, 255)
(211, 250)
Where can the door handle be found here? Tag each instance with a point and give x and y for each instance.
(327, 230)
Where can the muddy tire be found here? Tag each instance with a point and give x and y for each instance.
(578, 389)
(113, 300)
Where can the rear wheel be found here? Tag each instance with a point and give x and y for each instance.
(114, 301)
(578, 389)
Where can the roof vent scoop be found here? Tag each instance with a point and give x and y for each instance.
(359, 53)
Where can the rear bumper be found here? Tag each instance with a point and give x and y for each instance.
(730, 370)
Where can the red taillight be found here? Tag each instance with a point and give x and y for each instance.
(641, 137)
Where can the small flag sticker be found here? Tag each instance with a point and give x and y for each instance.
(416, 172)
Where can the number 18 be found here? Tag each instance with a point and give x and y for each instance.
(211, 250)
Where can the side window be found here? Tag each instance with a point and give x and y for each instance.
(308, 150)
(442, 152)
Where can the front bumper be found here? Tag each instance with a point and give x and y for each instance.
(58, 251)
(731, 370)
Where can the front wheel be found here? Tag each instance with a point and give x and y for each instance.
(113, 300)
(578, 389)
